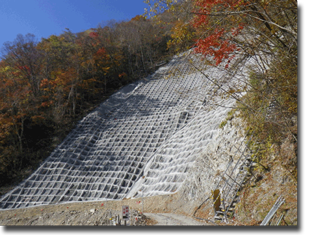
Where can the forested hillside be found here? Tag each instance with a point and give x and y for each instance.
(47, 85)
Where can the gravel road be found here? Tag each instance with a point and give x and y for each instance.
(170, 219)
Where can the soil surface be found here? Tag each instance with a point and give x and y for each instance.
(100, 213)
(169, 219)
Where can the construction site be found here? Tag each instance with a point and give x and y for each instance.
(158, 146)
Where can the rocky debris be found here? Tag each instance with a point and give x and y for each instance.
(140, 220)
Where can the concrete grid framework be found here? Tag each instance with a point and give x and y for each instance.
(155, 127)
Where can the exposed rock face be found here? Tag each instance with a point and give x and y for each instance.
(228, 145)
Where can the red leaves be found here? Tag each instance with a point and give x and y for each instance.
(218, 43)
(237, 30)
(24, 68)
(215, 46)
(46, 104)
(44, 83)
(122, 75)
(93, 34)
(102, 51)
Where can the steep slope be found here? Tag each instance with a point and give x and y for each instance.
(141, 142)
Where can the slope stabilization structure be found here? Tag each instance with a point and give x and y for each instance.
(155, 128)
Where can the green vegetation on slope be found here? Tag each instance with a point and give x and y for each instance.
(265, 32)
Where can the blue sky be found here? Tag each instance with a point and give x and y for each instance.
(47, 17)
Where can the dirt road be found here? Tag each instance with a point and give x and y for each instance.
(170, 219)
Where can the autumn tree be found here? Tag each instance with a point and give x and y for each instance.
(20, 92)
(230, 32)
(17, 106)
(265, 31)
(23, 56)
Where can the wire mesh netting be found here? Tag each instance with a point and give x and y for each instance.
(155, 127)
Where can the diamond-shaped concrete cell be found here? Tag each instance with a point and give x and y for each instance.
(155, 127)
